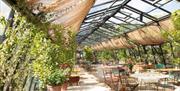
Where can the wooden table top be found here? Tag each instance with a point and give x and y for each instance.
(168, 69)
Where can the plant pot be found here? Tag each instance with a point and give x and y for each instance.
(74, 80)
(62, 87)
(64, 66)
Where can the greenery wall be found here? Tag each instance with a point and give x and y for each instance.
(29, 48)
(173, 37)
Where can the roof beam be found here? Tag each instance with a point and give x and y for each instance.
(120, 25)
(131, 17)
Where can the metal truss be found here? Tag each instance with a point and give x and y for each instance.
(120, 13)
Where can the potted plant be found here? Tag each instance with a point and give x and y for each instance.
(57, 81)
(54, 58)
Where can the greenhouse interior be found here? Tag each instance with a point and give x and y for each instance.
(89, 45)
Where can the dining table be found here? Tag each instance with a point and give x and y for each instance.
(173, 72)
(169, 70)
(149, 77)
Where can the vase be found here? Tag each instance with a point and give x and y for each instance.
(62, 87)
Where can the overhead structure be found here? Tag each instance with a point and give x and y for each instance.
(69, 13)
(137, 21)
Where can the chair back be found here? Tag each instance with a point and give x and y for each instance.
(160, 66)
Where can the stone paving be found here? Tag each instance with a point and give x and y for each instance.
(89, 82)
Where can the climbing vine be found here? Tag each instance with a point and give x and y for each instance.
(14, 52)
(174, 37)
(30, 49)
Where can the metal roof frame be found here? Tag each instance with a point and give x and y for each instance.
(97, 21)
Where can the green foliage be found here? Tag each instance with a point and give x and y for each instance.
(57, 77)
(49, 56)
(105, 55)
(122, 54)
(14, 53)
(65, 39)
(28, 48)
(88, 54)
(176, 19)
(174, 37)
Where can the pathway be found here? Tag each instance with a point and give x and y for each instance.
(89, 82)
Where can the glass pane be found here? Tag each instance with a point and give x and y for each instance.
(158, 13)
(4, 11)
(100, 8)
(140, 5)
(115, 20)
(172, 6)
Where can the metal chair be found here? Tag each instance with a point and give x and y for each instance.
(129, 83)
(111, 79)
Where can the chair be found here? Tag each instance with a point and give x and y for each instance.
(111, 79)
(160, 66)
(165, 83)
(129, 83)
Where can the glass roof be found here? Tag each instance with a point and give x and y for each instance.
(112, 18)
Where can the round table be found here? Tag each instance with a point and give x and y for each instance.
(149, 77)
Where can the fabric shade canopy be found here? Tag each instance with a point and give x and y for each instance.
(149, 35)
(69, 13)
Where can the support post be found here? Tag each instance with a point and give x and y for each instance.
(172, 51)
(145, 52)
(162, 54)
(154, 55)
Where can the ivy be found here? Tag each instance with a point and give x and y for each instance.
(14, 52)
(174, 37)
(31, 49)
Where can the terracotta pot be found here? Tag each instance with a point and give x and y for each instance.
(64, 66)
(62, 87)
(74, 79)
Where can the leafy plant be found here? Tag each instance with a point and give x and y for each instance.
(174, 37)
(29, 48)
(122, 55)
(14, 53)
(50, 54)
(57, 77)
(105, 55)
(88, 54)
(176, 19)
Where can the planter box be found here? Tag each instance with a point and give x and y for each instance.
(62, 87)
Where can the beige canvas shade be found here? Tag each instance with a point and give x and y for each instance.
(100, 46)
(149, 35)
(113, 44)
(167, 25)
(69, 13)
(120, 43)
